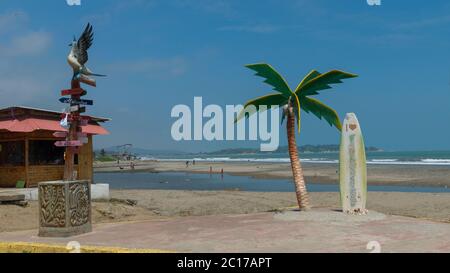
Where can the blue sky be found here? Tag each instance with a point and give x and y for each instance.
(161, 53)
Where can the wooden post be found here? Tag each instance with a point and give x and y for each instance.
(27, 162)
(69, 174)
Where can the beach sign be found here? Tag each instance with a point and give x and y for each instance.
(74, 108)
(74, 92)
(77, 108)
(64, 134)
(86, 102)
(352, 167)
(71, 143)
(76, 101)
(77, 118)
(60, 134)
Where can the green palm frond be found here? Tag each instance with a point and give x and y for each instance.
(268, 100)
(323, 82)
(311, 75)
(309, 86)
(272, 78)
(320, 110)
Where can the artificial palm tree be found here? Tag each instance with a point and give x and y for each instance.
(291, 102)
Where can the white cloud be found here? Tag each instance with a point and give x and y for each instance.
(18, 39)
(22, 90)
(24, 81)
(9, 21)
(31, 43)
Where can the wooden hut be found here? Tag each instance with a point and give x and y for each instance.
(28, 154)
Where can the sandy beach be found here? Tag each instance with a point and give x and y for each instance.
(158, 204)
(135, 205)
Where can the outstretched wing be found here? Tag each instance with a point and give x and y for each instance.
(84, 43)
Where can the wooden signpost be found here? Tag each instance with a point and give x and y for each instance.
(74, 138)
(65, 206)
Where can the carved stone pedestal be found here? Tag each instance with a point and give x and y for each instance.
(64, 208)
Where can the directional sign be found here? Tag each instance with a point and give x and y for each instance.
(67, 100)
(74, 108)
(78, 118)
(72, 143)
(75, 91)
(60, 134)
(86, 102)
(77, 108)
(76, 101)
(64, 134)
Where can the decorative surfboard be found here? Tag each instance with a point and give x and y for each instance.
(352, 167)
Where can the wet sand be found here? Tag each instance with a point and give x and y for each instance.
(400, 175)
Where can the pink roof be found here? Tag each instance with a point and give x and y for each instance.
(29, 125)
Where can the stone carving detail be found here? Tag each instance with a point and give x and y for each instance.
(53, 206)
(79, 204)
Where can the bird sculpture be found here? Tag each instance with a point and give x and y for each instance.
(78, 57)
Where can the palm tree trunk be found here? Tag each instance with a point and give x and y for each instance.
(297, 171)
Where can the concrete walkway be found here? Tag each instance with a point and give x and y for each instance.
(319, 230)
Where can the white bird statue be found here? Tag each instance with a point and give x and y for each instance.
(78, 57)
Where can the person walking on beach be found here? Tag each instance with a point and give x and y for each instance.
(187, 163)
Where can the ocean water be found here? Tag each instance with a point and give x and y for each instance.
(189, 181)
(433, 158)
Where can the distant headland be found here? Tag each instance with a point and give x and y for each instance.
(329, 148)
